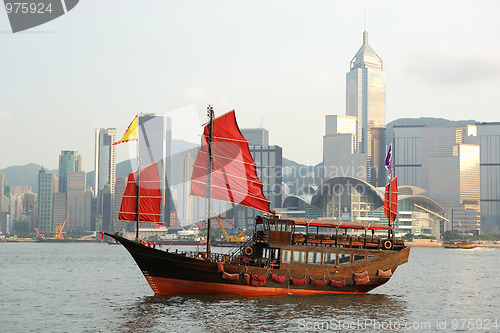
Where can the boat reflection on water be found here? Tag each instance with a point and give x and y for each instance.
(227, 313)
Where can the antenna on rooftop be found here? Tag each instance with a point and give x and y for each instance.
(365, 15)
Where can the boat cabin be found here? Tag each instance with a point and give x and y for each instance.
(295, 242)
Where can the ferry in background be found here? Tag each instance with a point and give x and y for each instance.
(459, 244)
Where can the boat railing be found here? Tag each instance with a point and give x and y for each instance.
(345, 241)
(239, 250)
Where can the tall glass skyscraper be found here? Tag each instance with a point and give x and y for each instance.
(68, 161)
(365, 100)
(105, 159)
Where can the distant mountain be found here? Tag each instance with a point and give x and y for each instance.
(427, 121)
(179, 147)
(22, 175)
(28, 174)
(294, 173)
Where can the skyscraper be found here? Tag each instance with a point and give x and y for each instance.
(155, 140)
(256, 136)
(365, 100)
(269, 162)
(46, 190)
(68, 161)
(489, 135)
(105, 159)
(2, 185)
(444, 161)
(340, 158)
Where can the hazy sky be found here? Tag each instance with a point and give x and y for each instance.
(278, 63)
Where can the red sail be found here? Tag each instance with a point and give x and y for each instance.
(234, 176)
(391, 199)
(149, 196)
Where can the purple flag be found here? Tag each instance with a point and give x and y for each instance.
(388, 158)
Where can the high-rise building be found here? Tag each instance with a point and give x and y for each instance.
(489, 135)
(185, 202)
(29, 208)
(256, 136)
(68, 161)
(155, 140)
(78, 203)
(2, 186)
(105, 159)
(340, 158)
(365, 100)
(46, 189)
(269, 162)
(444, 161)
(120, 185)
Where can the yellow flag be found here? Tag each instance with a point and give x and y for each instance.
(132, 132)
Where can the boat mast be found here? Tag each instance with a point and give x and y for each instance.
(210, 114)
(137, 192)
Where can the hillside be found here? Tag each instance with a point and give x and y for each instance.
(24, 175)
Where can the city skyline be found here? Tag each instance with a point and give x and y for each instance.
(284, 66)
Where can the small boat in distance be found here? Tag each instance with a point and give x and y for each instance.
(459, 244)
(283, 255)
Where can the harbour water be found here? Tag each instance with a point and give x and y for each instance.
(99, 288)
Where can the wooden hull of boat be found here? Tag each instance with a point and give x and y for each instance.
(174, 274)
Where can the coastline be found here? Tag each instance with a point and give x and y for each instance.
(482, 244)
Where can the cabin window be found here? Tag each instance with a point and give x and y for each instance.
(274, 227)
(344, 258)
(288, 227)
(329, 259)
(286, 256)
(300, 229)
(299, 257)
(275, 254)
(314, 257)
(358, 257)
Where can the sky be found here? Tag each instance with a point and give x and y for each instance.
(280, 64)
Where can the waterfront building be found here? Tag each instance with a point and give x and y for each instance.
(120, 185)
(59, 209)
(155, 141)
(489, 135)
(29, 208)
(105, 159)
(68, 161)
(340, 157)
(256, 136)
(351, 199)
(2, 190)
(269, 160)
(190, 209)
(365, 100)
(46, 189)
(78, 203)
(444, 161)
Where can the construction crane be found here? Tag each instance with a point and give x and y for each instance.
(231, 239)
(58, 234)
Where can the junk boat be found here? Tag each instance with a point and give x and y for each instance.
(283, 256)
